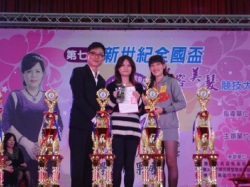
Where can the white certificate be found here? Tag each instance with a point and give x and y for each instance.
(129, 105)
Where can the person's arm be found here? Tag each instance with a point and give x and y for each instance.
(21, 158)
(8, 169)
(9, 123)
(18, 161)
(25, 142)
(112, 97)
(9, 116)
(179, 101)
(59, 120)
(140, 100)
(9, 113)
(79, 89)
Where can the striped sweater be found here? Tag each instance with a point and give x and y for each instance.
(125, 124)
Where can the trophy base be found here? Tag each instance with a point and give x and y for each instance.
(212, 159)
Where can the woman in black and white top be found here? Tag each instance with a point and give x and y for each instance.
(126, 129)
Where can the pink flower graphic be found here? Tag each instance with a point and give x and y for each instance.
(13, 50)
(227, 59)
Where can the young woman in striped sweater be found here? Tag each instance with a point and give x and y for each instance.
(125, 126)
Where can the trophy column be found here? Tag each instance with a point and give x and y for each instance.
(2, 158)
(145, 161)
(204, 139)
(49, 143)
(102, 144)
(152, 142)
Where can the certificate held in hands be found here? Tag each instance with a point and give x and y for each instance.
(129, 105)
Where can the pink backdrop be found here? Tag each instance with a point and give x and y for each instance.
(218, 60)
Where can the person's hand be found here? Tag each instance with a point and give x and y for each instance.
(136, 95)
(115, 94)
(158, 110)
(36, 149)
(23, 164)
(93, 120)
(9, 169)
(144, 99)
(8, 162)
(29, 146)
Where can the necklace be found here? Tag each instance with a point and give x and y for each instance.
(33, 96)
(126, 84)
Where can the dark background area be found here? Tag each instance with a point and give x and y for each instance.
(128, 6)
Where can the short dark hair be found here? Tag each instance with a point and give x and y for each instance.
(96, 45)
(30, 60)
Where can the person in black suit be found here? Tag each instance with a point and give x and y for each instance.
(85, 82)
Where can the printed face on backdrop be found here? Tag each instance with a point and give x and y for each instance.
(218, 60)
(126, 69)
(95, 57)
(157, 68)
(34, 76)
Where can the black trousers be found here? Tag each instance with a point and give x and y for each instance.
(80, 144)
(124, 149)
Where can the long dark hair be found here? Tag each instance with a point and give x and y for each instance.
(154, 59)
(121, 59)
(7, 136)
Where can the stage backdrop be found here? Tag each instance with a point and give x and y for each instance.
(218, 60)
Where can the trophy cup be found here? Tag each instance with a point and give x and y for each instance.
(204, 139)
(120, 93)
(152, 140)
(102, 143)
(49, 143)
(2, 157)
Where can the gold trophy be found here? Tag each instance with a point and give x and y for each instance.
(49, 143)
(2, 157)
(152, 140)
(102, 143)
(204, 139)
(203, 136)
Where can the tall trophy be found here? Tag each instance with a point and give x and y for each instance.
(204, 139)
(102, 143)
(2, 157)
(151, 141)
(49, 144)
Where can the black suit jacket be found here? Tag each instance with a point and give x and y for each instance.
(84, 104)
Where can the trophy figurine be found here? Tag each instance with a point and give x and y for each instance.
(49, 143)
(120, 93)
(151, 140)
(204, 139)
(102, 143)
